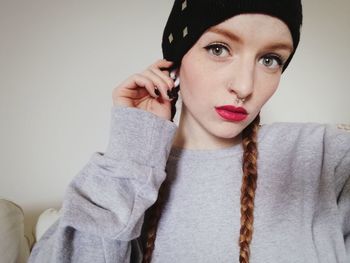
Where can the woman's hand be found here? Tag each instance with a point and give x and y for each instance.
(147, 90)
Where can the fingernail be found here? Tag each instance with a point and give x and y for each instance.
(156, 91)
(170, 94)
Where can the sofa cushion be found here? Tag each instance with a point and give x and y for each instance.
(45, 220)
(14, 247)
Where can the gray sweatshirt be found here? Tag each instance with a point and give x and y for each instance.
(302, 202)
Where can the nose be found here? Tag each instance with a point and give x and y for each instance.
(242, 79)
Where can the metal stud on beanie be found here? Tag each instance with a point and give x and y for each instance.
(189, 19)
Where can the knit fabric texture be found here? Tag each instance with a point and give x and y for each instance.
(301, 211)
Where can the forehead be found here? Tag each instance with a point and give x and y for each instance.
(252, 26)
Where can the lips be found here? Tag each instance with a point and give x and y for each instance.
(231, 113)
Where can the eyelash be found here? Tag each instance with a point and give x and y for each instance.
(276, 57)
(215, 45)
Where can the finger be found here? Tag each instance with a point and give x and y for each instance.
(161, 85)
(136, 81)
(162, 63)
(165, 76)
(146, 82)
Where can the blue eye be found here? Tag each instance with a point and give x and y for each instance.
(272, 61)
(217, 49)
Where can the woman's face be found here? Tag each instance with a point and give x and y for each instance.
(243, 56)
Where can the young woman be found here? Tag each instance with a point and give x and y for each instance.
(218, 187)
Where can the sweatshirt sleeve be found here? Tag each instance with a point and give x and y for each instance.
(338, 152)
(343, 199)
(104, 205)
(344, 208)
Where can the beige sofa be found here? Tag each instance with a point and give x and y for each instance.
(14, 246)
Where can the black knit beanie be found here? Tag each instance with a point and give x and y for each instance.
(189, 19)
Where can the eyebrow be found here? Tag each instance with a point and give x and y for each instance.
(225, 33)
(236, 38)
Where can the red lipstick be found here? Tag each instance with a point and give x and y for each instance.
(232, 113)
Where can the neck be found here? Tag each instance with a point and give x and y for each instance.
(192, 135)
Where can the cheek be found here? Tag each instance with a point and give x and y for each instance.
(268, 88)
(195, 85)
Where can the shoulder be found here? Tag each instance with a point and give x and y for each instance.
(292, 131)
(304, 129)
(318, 135)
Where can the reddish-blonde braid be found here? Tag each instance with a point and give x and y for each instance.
(249, 179)
(155, 213)
(156, 209)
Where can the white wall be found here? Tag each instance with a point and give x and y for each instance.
(60, 60)
(316, 85)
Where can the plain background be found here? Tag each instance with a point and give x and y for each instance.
(60, 60)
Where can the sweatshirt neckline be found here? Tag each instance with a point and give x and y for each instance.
(184, 153)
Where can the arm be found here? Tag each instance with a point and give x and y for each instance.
(343, 199)
(344, 209)
(337, 147)
(104, 205)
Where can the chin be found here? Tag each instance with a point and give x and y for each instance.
(227, 133)
(230, 129)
